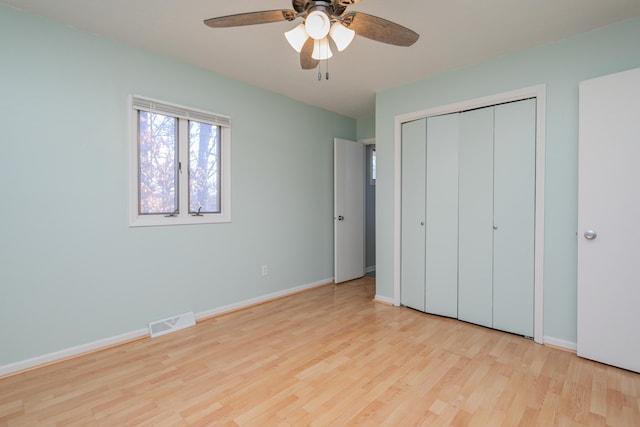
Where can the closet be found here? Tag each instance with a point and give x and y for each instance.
(467, 225)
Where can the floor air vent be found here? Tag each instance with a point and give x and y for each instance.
(171, 324)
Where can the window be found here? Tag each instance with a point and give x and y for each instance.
(180, 165)
(372, 166)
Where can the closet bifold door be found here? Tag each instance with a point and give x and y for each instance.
(412, 270)
(513, 216)
(496, 225)
(475, 226)
(441, 276)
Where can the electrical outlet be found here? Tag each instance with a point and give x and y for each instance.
(265, 270)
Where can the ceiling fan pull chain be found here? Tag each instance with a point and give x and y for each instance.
(319, 62)
(327, 70)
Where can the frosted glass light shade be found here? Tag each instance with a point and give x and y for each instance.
(321, 49)
(317, 24)
(297, 37)
(341, 35)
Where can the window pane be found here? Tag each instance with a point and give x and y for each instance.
(158, 163)
(204, 168)
(373, 164)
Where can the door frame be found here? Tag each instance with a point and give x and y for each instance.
(538, 92)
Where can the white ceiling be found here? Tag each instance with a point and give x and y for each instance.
(453, 34)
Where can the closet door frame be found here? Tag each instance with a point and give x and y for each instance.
(538, 92)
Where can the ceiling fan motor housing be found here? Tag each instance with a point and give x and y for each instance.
(330, 8)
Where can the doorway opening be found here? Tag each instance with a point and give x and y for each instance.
(370, 208)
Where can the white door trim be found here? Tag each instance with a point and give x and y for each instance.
(538, 92)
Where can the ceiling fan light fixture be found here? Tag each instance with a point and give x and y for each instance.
(341, 35)
(297, 37)
(321, 50)
(317, 24)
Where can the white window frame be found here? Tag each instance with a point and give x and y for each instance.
(184, 114)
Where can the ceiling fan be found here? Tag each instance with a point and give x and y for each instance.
(323, 21)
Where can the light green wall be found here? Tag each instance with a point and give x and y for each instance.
(366, 128)
(561, 66)
(71, 270)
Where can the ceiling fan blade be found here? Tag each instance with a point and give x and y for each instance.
(306, 61)
(252, 18)
(346, 3)
(379, 29)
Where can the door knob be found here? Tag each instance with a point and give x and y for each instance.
(340, 218)
(590, 235)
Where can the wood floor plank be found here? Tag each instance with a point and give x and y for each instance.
(327, 357)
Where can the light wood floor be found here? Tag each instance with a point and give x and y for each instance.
(329, 356)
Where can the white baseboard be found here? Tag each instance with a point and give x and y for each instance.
(265, 298)
(140, 333)
(70, 352)
(385, 300)
(557, 342)
(370, 269)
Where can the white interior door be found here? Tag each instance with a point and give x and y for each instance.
(349, 213)
(608, 213)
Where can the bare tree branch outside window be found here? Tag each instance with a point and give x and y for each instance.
(204, 168)
(158, 166)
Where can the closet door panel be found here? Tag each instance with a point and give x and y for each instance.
(514, 207)
(442, 215)
(412, 275)
(475, 259)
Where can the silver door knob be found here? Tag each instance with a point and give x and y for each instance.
(340, 218)
(590, 235)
